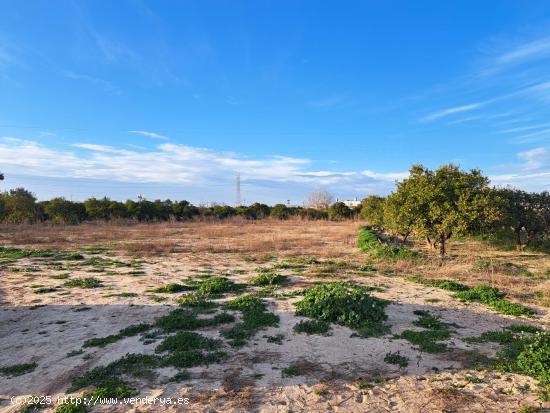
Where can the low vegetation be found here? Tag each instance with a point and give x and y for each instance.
(255, 317)
(89, 282)
(368, 241)
(17, 369)
(431, 339)
(346, 304)
(484, 294)
(125, 332)
(312, 327)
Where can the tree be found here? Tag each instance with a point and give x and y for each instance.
(447, 202)
(21, 207)
(372, 210)
(279, 211)
(62, 211)
(525, 214)
(398, 215)
(319, 199)
(339, 211)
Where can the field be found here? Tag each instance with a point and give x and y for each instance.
(157, 310)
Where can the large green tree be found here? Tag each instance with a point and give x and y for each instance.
(447, 202)
(372, 210)
(526, 214)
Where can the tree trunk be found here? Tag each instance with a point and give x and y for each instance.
(517, 232)
(442, 245)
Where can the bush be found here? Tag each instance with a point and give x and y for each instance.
(269, 279)
(254, 318)
(312, 327)
(339, 212)
(343, 303)
(369, 242)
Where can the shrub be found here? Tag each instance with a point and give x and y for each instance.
(218, 285)
(339, 212)
(396, 358)
(312, 327)
(269, 279)
(254, 318)
(89, 282)
(369, 242)
(342, 303)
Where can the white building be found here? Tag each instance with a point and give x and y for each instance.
(350, 203)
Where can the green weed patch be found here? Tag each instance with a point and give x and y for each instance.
(269, 279)
(255, 317)
(346, 304)
(428, 340)
(493, 298)
(17, 369)
(125, 332)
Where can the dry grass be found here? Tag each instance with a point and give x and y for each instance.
(320, 239)
(292, 238)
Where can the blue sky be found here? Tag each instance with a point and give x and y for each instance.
(173, 99)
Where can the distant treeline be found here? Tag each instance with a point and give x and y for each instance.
(20, 206)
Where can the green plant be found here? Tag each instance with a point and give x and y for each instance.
(493, 298)
(184, 319)
(448, 285)
(269, 279)
(172, 288)
(368, 241)
(254, 318)
(89, 282)
(125, 332)
(71, 406)
(107, 381)
(312, 327)
(197, 302)
(218, 285)
(17, 369)
(428, 340)
(396, 358)
(290, 371)
(344, 303)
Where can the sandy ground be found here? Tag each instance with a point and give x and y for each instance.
(44, 328)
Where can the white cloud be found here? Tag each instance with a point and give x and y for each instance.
(537, 49)
(535, 158)
(451, 111)
(389, 177)
(176, 164)
(148, 134)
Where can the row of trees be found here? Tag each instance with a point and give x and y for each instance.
(20, 206)
(437, 205)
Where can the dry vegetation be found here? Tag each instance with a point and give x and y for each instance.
(142, 271)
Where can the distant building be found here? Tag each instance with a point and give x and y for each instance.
(350, 203)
